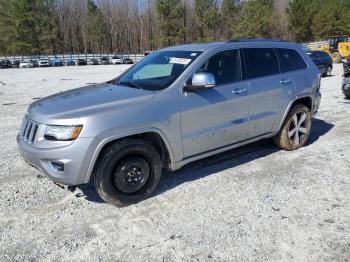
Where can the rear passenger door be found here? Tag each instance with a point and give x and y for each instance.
(292, 62)
(269, 92)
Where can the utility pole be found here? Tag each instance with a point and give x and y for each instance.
(149, 26)
(185, 22)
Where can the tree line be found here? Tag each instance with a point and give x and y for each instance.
(133, 26)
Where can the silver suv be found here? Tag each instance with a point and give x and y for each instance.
(175, 106)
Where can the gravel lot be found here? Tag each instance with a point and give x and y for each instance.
(255, 203)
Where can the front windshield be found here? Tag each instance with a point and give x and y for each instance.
(158, 70)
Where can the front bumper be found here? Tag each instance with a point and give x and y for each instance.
(75, 158)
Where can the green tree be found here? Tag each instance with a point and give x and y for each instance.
(331, 18)
(96, 27)
(230, 16)
(256, 19)
(300, 15)
(50, 35)
(207, 19)
(24, 25)
(5, 33)
(170, 15)
(29, 27)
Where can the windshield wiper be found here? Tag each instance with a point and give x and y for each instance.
(129, 83)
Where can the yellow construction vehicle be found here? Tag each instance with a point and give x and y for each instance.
(338, 47)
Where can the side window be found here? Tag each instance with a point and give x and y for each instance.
(225, 66)
(261, 62)
(290, 60)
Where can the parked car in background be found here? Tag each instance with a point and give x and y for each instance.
(6, 64)
(105, 60)
(92, 61)
(128, 60)
(323, 61)
(122, 134)
(35, 61)
(346, 87)
(70, 62)
(81, 62)
(57, 62)
(44, 62)
(116, 60)
(27, 63)
(2, 64)
(15, 63)
(346, 78)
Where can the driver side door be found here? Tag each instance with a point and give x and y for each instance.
(216, 117)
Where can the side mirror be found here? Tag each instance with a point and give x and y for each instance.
(200, 81)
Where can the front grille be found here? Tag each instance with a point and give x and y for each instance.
(29, 130)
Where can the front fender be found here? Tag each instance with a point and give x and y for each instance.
(102, 141)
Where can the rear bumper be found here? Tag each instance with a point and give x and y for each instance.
(75, 158)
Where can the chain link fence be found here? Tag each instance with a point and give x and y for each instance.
(74, 57)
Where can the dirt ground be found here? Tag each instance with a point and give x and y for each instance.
(255, 203)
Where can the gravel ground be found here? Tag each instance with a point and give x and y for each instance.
(255, 203)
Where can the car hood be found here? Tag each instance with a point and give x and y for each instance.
(85, 101)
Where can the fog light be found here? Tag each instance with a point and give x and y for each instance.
(59, 166)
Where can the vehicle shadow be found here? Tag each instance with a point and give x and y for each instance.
(213, 164)
(318, 129)
(328, 76)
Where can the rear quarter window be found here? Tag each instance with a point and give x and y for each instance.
(290, 60)
(261, 62)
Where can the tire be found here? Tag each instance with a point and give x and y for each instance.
(299, 121)
(328, 72)
(127, 172)
(347, 96)
(336, 57)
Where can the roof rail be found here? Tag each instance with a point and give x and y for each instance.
(255, 40)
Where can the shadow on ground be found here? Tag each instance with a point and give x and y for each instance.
(219, 162)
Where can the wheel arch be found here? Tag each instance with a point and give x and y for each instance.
(301, 99)
(154, 136)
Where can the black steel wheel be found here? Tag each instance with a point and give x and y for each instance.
(127, 172)
(131, 174)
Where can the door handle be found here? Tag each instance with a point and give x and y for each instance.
(286, 81)
(239, 91)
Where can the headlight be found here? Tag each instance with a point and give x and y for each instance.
(62, 133)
